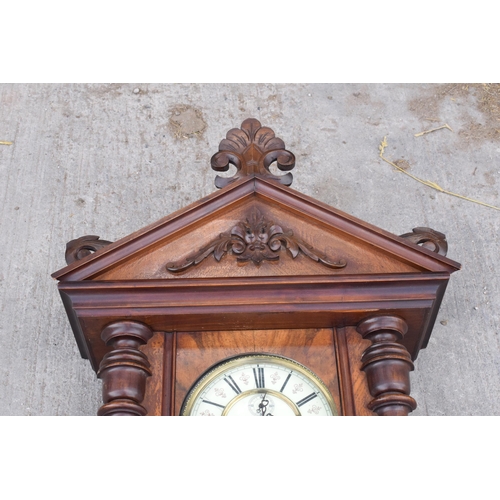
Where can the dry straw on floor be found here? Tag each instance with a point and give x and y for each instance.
(430, 184)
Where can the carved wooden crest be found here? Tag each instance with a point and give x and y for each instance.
(252, 149)
(256, 239)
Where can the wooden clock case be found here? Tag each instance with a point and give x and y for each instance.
(256, 267)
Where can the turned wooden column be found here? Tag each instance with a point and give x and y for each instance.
(124, 370)
(387, 365)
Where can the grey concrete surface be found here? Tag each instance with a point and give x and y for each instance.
(103, 159)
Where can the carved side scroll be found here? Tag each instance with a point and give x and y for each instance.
(256, 239)
(428, 238)
(252, 149)
(83, 246)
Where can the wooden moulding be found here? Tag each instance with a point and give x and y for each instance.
(258, 303)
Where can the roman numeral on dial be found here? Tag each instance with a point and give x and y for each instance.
(286, 382)
(258, 374)
(306, 399)
(212, 403)
(231, 383)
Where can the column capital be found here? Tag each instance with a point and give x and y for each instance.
(380, 324)
(126, 328)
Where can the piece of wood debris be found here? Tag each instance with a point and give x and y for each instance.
(6, 143)
(433, 130)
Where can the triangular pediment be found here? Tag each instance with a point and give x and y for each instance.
(256, 227)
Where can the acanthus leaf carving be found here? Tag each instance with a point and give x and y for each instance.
(256, 239)
(252, 149)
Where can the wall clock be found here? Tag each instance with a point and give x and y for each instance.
(251, 287)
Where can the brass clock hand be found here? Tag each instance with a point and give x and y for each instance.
(263, 406)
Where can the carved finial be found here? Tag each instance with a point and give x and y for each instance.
(428, 238)
(252, 149)
(83, 246)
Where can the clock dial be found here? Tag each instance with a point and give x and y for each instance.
(259, 385)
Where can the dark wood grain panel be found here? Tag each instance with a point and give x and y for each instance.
(199, 351)
(357, 346)
(344, 371)
(154, 384)
(169, 369)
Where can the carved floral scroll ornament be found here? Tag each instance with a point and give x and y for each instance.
(428, 238)
(252, 149)
(83, 246)
(256, 239)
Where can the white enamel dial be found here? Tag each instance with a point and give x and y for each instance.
(259, 385)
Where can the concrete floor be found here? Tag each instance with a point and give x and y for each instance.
(108, 159)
